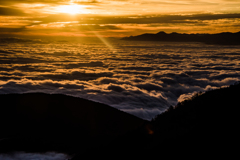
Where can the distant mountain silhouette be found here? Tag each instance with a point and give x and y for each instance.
(225, 38)
(204, 126)
(19, 40)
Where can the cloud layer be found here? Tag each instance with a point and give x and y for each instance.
(34, 156)
(141, 78)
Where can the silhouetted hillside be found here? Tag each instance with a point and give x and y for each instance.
(206, 123)
(204, 126)
(225, 38)
(38, 122)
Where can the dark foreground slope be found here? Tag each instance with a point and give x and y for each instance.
(225, 38)
(38, 122)
(204, 126)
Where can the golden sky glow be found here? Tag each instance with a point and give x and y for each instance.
(70, 9)
(117, 18)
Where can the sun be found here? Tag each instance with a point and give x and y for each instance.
(70, 9)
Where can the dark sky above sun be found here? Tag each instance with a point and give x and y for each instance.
(117, 18)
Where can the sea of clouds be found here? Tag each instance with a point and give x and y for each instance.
(34, 156)
(141, 78)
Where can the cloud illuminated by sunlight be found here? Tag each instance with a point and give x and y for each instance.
(71, 9)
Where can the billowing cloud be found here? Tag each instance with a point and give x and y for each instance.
(140, 78)
(87, 64)
(74, 75)
(34, 156)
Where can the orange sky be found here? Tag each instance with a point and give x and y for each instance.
(117, 18)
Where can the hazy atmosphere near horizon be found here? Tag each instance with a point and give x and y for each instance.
(74, 47)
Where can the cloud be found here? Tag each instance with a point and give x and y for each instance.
(32, 68)
(168, 80)
(165, 18)
(116, 25)
(150, 86)
(106, 80)
(126, 25)
(96, 27)
(33, 1)
(51, 1)
(103, 20)
(186, 96)
(138, 68)
(34, 156)
(140, 78)
(46, 86)
(20, 60)
(223, 76)
(147, 114)
(5, 11)
(74, 75)
(137, 103)
(115, 88)
(123, 97)
(90, 64)
(86, 2)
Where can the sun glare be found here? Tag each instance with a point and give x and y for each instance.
(70, 9)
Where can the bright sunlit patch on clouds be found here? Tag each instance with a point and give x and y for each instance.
(72, 9)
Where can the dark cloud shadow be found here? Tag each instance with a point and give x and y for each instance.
(5, 11)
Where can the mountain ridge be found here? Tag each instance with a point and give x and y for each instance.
(224, 38)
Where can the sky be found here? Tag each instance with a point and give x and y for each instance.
(116, 18)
